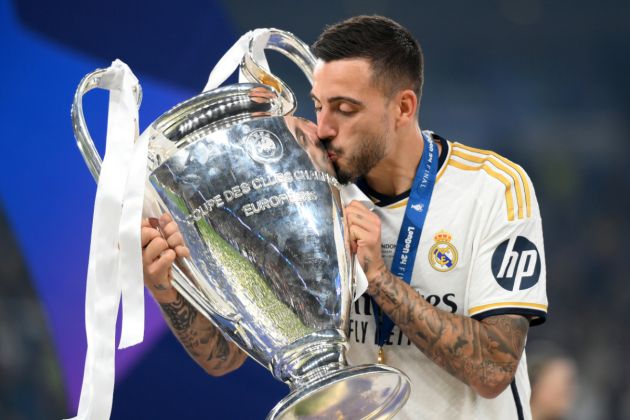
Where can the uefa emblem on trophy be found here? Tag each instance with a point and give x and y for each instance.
(258, 205)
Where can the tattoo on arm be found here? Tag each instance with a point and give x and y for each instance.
(367, 261)
(483, 354)
(202, 340)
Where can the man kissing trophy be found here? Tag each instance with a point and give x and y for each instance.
(256, 200)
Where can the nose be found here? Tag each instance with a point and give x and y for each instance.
(326, 126)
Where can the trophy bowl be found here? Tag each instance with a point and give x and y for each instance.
(256, 200)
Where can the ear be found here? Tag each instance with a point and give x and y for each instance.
(407, 107)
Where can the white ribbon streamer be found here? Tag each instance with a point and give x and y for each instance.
(130, 269)
(233, 57)
(115, 265)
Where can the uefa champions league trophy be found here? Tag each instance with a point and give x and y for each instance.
(256, 200)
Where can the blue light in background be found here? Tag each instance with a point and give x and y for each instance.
(47, 190)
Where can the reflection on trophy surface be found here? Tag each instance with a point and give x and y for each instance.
(259, 207)
(259, 220)
(256, 199)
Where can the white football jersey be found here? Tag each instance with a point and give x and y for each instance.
(480, 254)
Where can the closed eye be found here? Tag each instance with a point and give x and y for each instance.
(346, 113)
(346, 109)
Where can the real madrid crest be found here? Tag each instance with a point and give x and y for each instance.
(443, 255)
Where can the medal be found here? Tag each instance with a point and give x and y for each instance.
(381, 355)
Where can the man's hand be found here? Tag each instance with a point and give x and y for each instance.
(161, 244)
(483, 355)
(364, 228)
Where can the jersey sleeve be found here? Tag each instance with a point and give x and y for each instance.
(508, 273)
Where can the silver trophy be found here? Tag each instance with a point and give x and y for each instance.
(256, 200)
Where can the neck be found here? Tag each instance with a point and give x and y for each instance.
(395, 173)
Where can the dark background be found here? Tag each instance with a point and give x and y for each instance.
(543, 83)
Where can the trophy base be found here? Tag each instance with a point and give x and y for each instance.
(359, 392)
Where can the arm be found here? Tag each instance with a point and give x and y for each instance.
(482, 354)
(201, 339)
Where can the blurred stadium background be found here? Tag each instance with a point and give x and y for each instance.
(544, 83)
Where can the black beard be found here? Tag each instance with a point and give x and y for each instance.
(344, 177)
(370, 153)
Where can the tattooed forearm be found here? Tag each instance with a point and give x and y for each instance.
(202, 340)
(180, 313)
(483, 354)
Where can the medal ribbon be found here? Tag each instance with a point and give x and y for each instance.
(411, 228)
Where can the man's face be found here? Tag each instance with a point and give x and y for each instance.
(354, 117)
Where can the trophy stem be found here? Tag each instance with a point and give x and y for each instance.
(310, 358)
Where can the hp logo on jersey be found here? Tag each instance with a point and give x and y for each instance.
(516, 264)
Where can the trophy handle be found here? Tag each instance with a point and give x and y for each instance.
(93, 161)
(84, 140)
(288, 45)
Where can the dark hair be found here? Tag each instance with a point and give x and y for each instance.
(395, 55)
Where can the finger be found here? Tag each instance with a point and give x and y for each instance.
(357, 233)
(165, 219)
(182, 251)
(153, 250)
(145, 223)
(158, 271)
(368, 222)
(175, 240)
(360, 210)
(357, 206)
(362, 205)
(365, 238)
(147, 234)
(169, 229)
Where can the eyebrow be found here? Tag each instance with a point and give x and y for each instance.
(339, 98)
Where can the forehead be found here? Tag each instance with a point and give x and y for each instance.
(348, 77)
